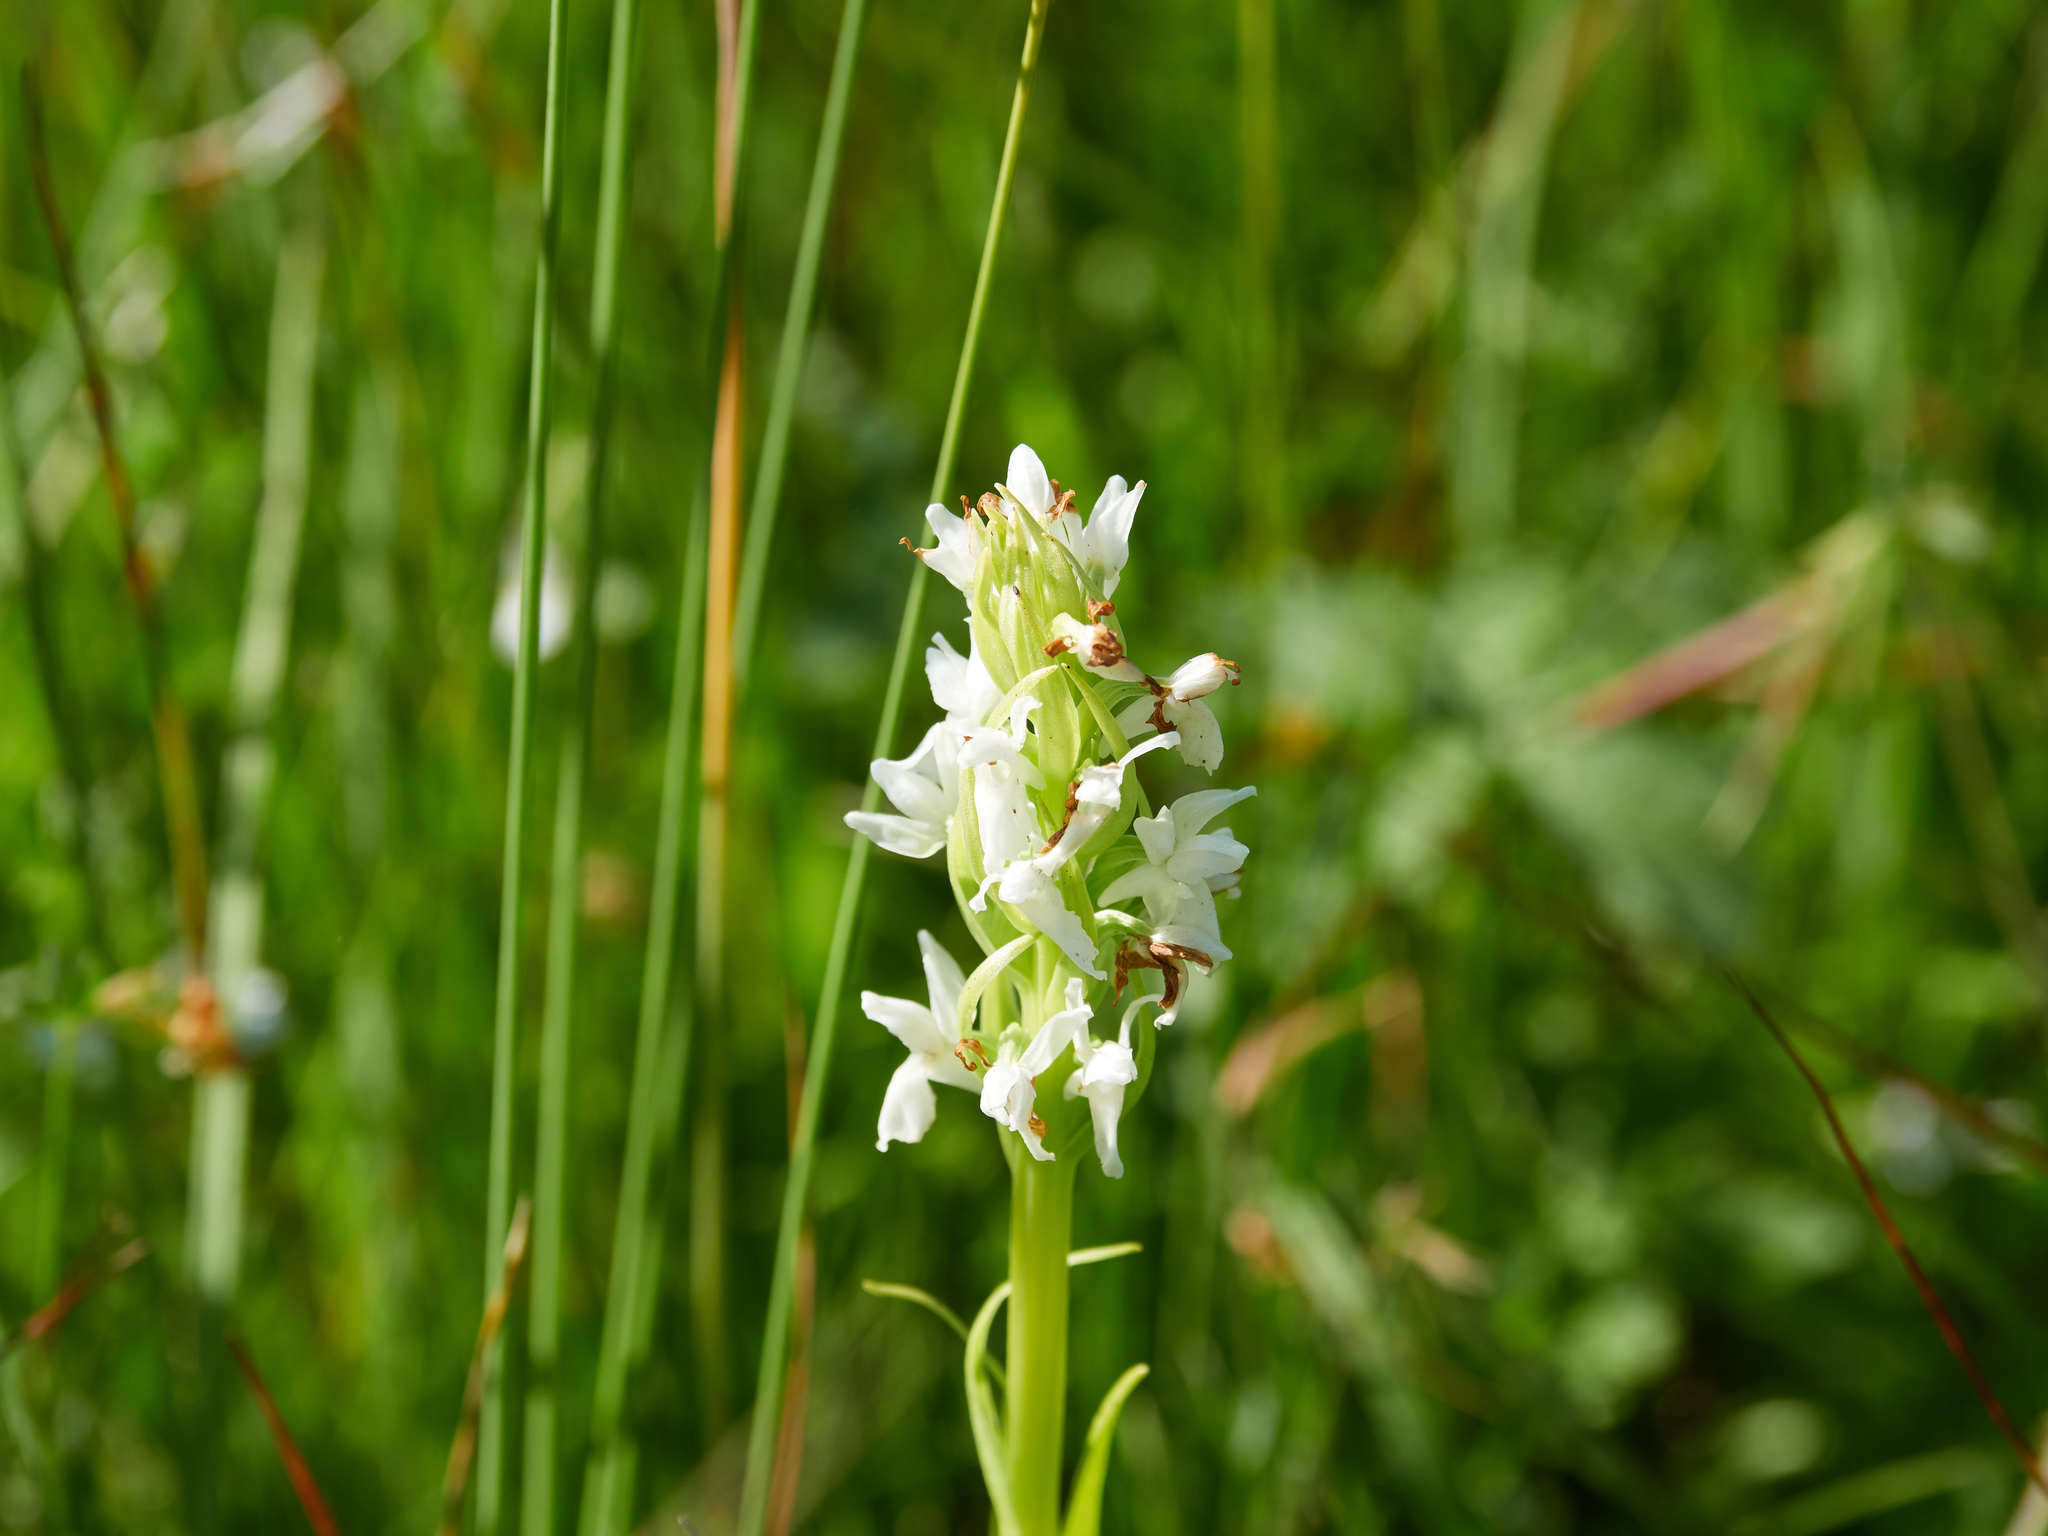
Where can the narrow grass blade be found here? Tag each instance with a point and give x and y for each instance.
(1263, 467)
(796, 1191)
(706, 1247)
(796, 335)
(1509, 200)
(1084, 1508)
(544, 1319)
(491, 1492)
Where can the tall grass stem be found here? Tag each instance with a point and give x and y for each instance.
(790, 353)
(220, 1106)
(768, 1386)
(661, 1051)
(544, 1318)
(492, 1493)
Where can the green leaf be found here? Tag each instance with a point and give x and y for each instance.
(1084, 1513)
(983, 1417)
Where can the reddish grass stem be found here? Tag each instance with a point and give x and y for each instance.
(79, 1284)
(1929, 1298)
(318, 1515)
(173, 742)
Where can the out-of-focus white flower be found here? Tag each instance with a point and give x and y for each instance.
(958, 548)
(922, 787)
(960, 684)
(557, 603)
(1009, 1096)
(1177, 705)
(929, 1035)
(1102, 544)
(1106, 1069)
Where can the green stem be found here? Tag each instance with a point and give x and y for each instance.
(1035, 1411)
(491, 1474)
(220, 1112)
(66, 731)
(796, 332)
(768, 1386)
(544, 1315)
(60, 702)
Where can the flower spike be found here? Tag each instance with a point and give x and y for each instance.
(1070, 880)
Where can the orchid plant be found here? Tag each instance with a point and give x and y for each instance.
(1090, 909)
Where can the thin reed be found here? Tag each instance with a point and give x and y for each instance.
(493, 1499)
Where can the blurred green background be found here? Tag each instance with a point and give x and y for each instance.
(1475, 354)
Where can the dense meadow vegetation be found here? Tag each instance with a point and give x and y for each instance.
(1611, 438)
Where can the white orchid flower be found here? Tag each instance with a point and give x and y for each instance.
(1181, 862)
(959, 545)
(1177, 705)
(928, 1034)
(1096, 647)
(1029, 881)
(922, 787)
(1185, 865)
(1102, 544)
(961, 685)
(1106, 1069)
(1009, 1096)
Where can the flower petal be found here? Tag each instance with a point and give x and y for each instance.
(960, 684)
(1193, 812)
(897, 834)
(1135, 718)
(911, 1023)
(911, 790)
(1200, 675)
(1159, 890)
(943, 976)
(1108, 540)
(959, 545)
(1201, 738)
(1027, 482)
(1057, 1032)
(1037, 898)
(908, 1106)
